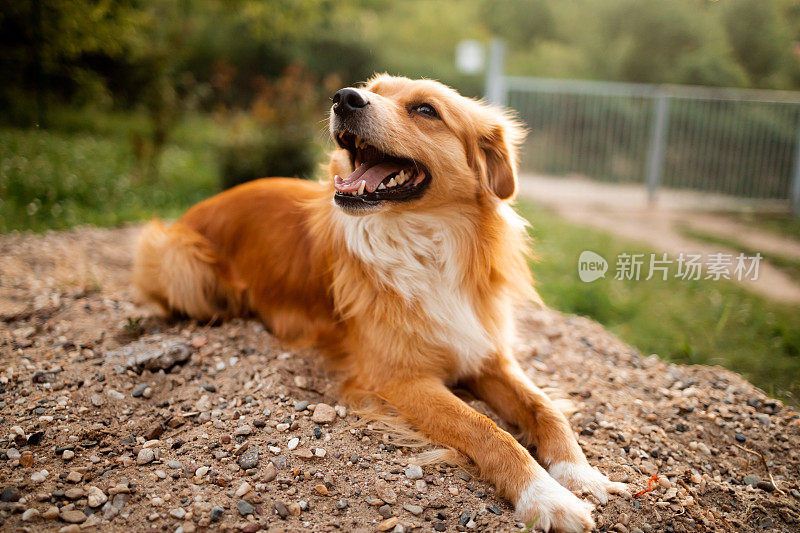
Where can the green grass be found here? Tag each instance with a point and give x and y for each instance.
(56, 180)
(789, 265)
(782, 224)
(702, 322)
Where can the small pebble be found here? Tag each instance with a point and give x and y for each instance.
(323, 414)
(413, 472)
(281, 509)
(72, 516)
(244, 508)
(145, 456)
(270, 473)
(751, 480)
(388, 524)
(243, 489)
(26, 460)
(385, 492)
(766, 486)
(96, 497)
(249, 459)
(413, 509)
(243, 430)
(115, 395)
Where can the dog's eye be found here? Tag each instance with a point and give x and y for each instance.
(426, 110)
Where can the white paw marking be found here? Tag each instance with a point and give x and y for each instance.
(583, 478)
(551, 507)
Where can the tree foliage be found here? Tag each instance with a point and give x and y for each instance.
(151, 52)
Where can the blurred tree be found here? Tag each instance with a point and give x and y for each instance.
(523, 23)
(760, 41)
(48, 46)
(654, 42)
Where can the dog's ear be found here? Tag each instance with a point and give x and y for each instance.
(498, 146)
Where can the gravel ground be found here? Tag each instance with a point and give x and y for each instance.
(114, 420)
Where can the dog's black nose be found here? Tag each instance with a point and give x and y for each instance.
(348, 100)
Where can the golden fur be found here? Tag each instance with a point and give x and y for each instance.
(407, 299)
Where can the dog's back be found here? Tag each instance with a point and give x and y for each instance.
(247, 250)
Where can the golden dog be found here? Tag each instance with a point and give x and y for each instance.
(403, 268)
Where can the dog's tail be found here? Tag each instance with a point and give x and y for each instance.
(178, 269)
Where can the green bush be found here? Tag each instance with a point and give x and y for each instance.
(273, 154)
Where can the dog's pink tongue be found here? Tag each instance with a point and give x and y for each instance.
(372, 175)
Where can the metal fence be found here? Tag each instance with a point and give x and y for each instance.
(743, 143)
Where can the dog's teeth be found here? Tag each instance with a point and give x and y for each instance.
(391, 183)
(361, 187)
(401, 177)
(381, 187)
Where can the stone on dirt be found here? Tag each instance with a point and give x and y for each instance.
(153, 356)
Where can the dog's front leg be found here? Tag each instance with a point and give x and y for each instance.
(506, 389)
(430, 406)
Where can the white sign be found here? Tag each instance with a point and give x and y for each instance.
(469, 56)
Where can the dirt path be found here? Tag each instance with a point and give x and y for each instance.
(622, 210)
(242, 434)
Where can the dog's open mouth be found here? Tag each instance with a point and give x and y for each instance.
(377, 176)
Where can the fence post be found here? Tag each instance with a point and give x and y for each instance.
(658, 139)
(795, 191)
(495, 84)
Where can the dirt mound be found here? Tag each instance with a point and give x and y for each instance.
(116, 422)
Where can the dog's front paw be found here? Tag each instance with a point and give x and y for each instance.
(584, 479)
(550, 507)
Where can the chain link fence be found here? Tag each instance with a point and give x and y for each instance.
(743, 143)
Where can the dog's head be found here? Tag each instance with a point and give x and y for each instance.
(414, 143)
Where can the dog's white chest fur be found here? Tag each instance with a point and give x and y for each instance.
(419, 257)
